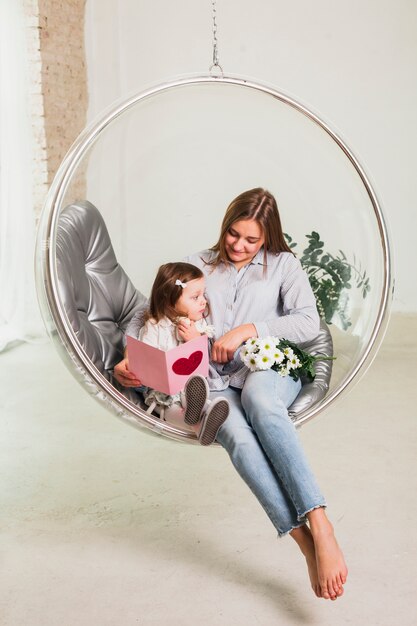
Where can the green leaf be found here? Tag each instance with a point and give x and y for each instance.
(330, 277)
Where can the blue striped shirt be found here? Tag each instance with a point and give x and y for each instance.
(277, 299)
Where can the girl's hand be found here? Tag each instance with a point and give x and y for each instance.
(124, 376)
(187, 330)
(225, 347)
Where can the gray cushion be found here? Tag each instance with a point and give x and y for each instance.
(97, 295)
(311, 393)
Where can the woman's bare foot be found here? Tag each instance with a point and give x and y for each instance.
(331, 566)
(304, 539)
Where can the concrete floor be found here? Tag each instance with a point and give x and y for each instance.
(102, 524)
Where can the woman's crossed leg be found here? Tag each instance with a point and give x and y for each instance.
(264, 447)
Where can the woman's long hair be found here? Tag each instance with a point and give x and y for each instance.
(165, 293)
(255, 204)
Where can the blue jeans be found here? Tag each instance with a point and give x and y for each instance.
(265, 449)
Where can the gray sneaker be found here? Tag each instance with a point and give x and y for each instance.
(216, 415)
(196, 393)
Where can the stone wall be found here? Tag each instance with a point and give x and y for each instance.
(59, 96)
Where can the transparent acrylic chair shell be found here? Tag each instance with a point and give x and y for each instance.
(54, 313)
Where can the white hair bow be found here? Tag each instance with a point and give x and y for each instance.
(180, 284)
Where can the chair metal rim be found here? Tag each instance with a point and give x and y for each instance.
(51, 213)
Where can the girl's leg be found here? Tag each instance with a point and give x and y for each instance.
(199, 410)
(249, 459)
(208, 418)
(174, 414)
(265, 398)
(215, 415)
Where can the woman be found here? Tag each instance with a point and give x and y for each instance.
(256, 287)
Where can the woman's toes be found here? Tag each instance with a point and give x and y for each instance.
(331, 591)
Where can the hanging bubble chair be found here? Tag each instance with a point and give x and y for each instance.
(149, 183)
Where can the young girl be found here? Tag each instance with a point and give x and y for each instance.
(176, 314)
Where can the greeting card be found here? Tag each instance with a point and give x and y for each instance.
(168, 371)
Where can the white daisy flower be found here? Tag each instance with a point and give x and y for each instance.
(252, 362)
(283, 371)
(267, 344)
(293, 363)
(288, 353)
(264, 360)
(245, 352)
(248, 348)
(278, 355)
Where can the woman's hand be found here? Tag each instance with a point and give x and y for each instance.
(124, 376)
(225, 347)
(187, 330)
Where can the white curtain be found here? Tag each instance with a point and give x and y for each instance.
(19, 315)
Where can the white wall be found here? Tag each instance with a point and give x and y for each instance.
(352, 62)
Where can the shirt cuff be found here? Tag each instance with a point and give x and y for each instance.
(261, 329)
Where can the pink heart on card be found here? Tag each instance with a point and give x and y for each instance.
(187, 366)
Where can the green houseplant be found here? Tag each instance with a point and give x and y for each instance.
(330, 276)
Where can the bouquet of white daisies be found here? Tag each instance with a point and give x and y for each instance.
(280, 355)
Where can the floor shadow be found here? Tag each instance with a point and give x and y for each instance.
(157, 537)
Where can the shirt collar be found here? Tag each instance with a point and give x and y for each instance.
(258, 259)
(165, 322)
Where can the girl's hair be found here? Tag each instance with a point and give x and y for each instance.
(256, 204)
(165, 293)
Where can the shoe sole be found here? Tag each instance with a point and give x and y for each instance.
(196, 395)
(216, 416)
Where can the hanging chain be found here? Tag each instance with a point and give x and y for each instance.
(215, 65)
